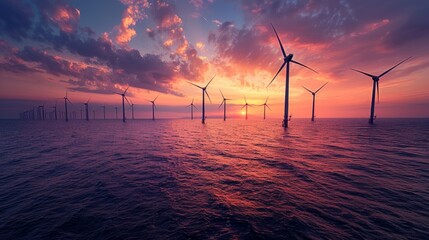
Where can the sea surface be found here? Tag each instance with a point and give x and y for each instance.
(180, 179)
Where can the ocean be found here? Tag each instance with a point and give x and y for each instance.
(180, 179)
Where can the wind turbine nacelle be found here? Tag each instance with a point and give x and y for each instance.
(375, 78)
(288, 57)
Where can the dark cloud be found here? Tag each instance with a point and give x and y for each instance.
(103, 65)
(16, 19)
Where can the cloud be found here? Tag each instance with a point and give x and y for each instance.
(197, 3)
(170, 32)
(135, 11)
(16, 19)
(97, 63)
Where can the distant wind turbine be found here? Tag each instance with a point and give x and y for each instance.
(224, 104)
(287, 60)
(104, 111)
(204, 90)
(132, 110)
(375, 80)
(87, 109)
(245, 105)
(265, 106)
(314, 98)
(123, 102)
(55, 110)
(192, 108)
(66, 99)
(153, 107)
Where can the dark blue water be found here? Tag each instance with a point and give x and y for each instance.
(179, 179)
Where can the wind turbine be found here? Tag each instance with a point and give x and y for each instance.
(204, 90)
(287, 60)
(265, 106)
(314, 98)
(116, 110)
(132, 109)
(245, 105)
(104, 111)
(153, 107)
(192, 108)
(123, 102)
(224, 104)
(375, 80)
(55, 110)
(87, 109)
(66, 99)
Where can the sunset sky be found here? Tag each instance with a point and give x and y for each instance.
(95, 47)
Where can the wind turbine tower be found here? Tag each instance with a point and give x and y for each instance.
(287, 59)
(314, 99)
(204, 91)
(375, 80)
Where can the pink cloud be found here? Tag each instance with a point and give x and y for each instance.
(134, 12)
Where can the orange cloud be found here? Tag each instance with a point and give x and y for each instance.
(200, 45)
(134, 12)
(66, 18)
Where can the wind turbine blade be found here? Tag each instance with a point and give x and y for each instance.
(66, 92)
(369, 75)
(304, 66)
(127, 100)
(307, 89)
(321, 87)
(126, 90)
(284, 63)
(221, 104)
(268, 106)
(280, 42)
(208, 95)
(69, 100)
(195, 107)
(393, 68)
(209, 82)
(266, 100)
(194, 84)
(192, 101)
(156, 98)
(155, 106)
(242, 107)
(245, 100)
(190, 105)
(221, 94)
(88, 100)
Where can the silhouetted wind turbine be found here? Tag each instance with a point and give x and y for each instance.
(314, 98)
(287, 60)
(153, 107)
(204, 90)
(55, 110)
(265, 106)
(375, 80)
(104, 111)
(192, 108)
(123, 102)
(132, 109)
(224, 104)
(66, 99)
(245, 105)
(87, 109)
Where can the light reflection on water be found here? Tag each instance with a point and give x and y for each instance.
(179, 179)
